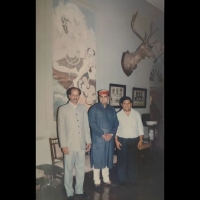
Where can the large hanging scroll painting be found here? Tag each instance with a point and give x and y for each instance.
(74, 51)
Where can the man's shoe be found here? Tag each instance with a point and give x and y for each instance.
(110, 184)
(84, 195)
(98, 189)
(70, 198)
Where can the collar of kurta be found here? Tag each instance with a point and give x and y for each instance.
(73, 104)
(103, 105)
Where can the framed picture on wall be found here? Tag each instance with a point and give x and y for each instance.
(116, 92)
(139, 97)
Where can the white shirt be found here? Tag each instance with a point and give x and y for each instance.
(129, 126)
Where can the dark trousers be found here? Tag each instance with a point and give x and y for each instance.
(127, 160)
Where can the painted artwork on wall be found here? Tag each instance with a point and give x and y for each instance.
(74, 52)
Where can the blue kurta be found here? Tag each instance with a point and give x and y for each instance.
(102, 120)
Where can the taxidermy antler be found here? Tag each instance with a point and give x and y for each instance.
(129, 60)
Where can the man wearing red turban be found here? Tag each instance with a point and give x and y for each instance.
(103, 123)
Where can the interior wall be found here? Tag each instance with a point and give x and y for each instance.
(114, 36)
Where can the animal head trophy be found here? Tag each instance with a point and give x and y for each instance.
(129, 60)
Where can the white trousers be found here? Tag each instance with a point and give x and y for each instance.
(96, 175)
(77, 159)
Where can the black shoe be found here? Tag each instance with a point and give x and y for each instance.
(70, 198)
(122, 184)
(98, 189)
(84, 195)
(110, 184)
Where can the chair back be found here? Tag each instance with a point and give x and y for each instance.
(56, 158)
(56, 152)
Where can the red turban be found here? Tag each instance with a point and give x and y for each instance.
(101, 92)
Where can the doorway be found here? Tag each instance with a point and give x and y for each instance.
(157, 98)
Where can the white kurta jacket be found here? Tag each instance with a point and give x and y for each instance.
(73, 127)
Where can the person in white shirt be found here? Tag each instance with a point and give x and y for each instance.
(128, 138)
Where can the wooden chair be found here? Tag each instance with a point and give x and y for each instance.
(144, 151)
(56, 158)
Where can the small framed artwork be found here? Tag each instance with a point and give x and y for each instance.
(116, 92)
(139, 97)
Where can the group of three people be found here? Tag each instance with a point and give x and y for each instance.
(98, 130)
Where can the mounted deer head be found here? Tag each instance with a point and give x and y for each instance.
(129, 60)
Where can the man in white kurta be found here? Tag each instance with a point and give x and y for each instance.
(74, 137)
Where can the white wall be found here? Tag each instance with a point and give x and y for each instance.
(114, 36)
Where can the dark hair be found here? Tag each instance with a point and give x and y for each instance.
(125, 98)
(72, 88)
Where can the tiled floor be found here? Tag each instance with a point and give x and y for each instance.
(150, 184)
